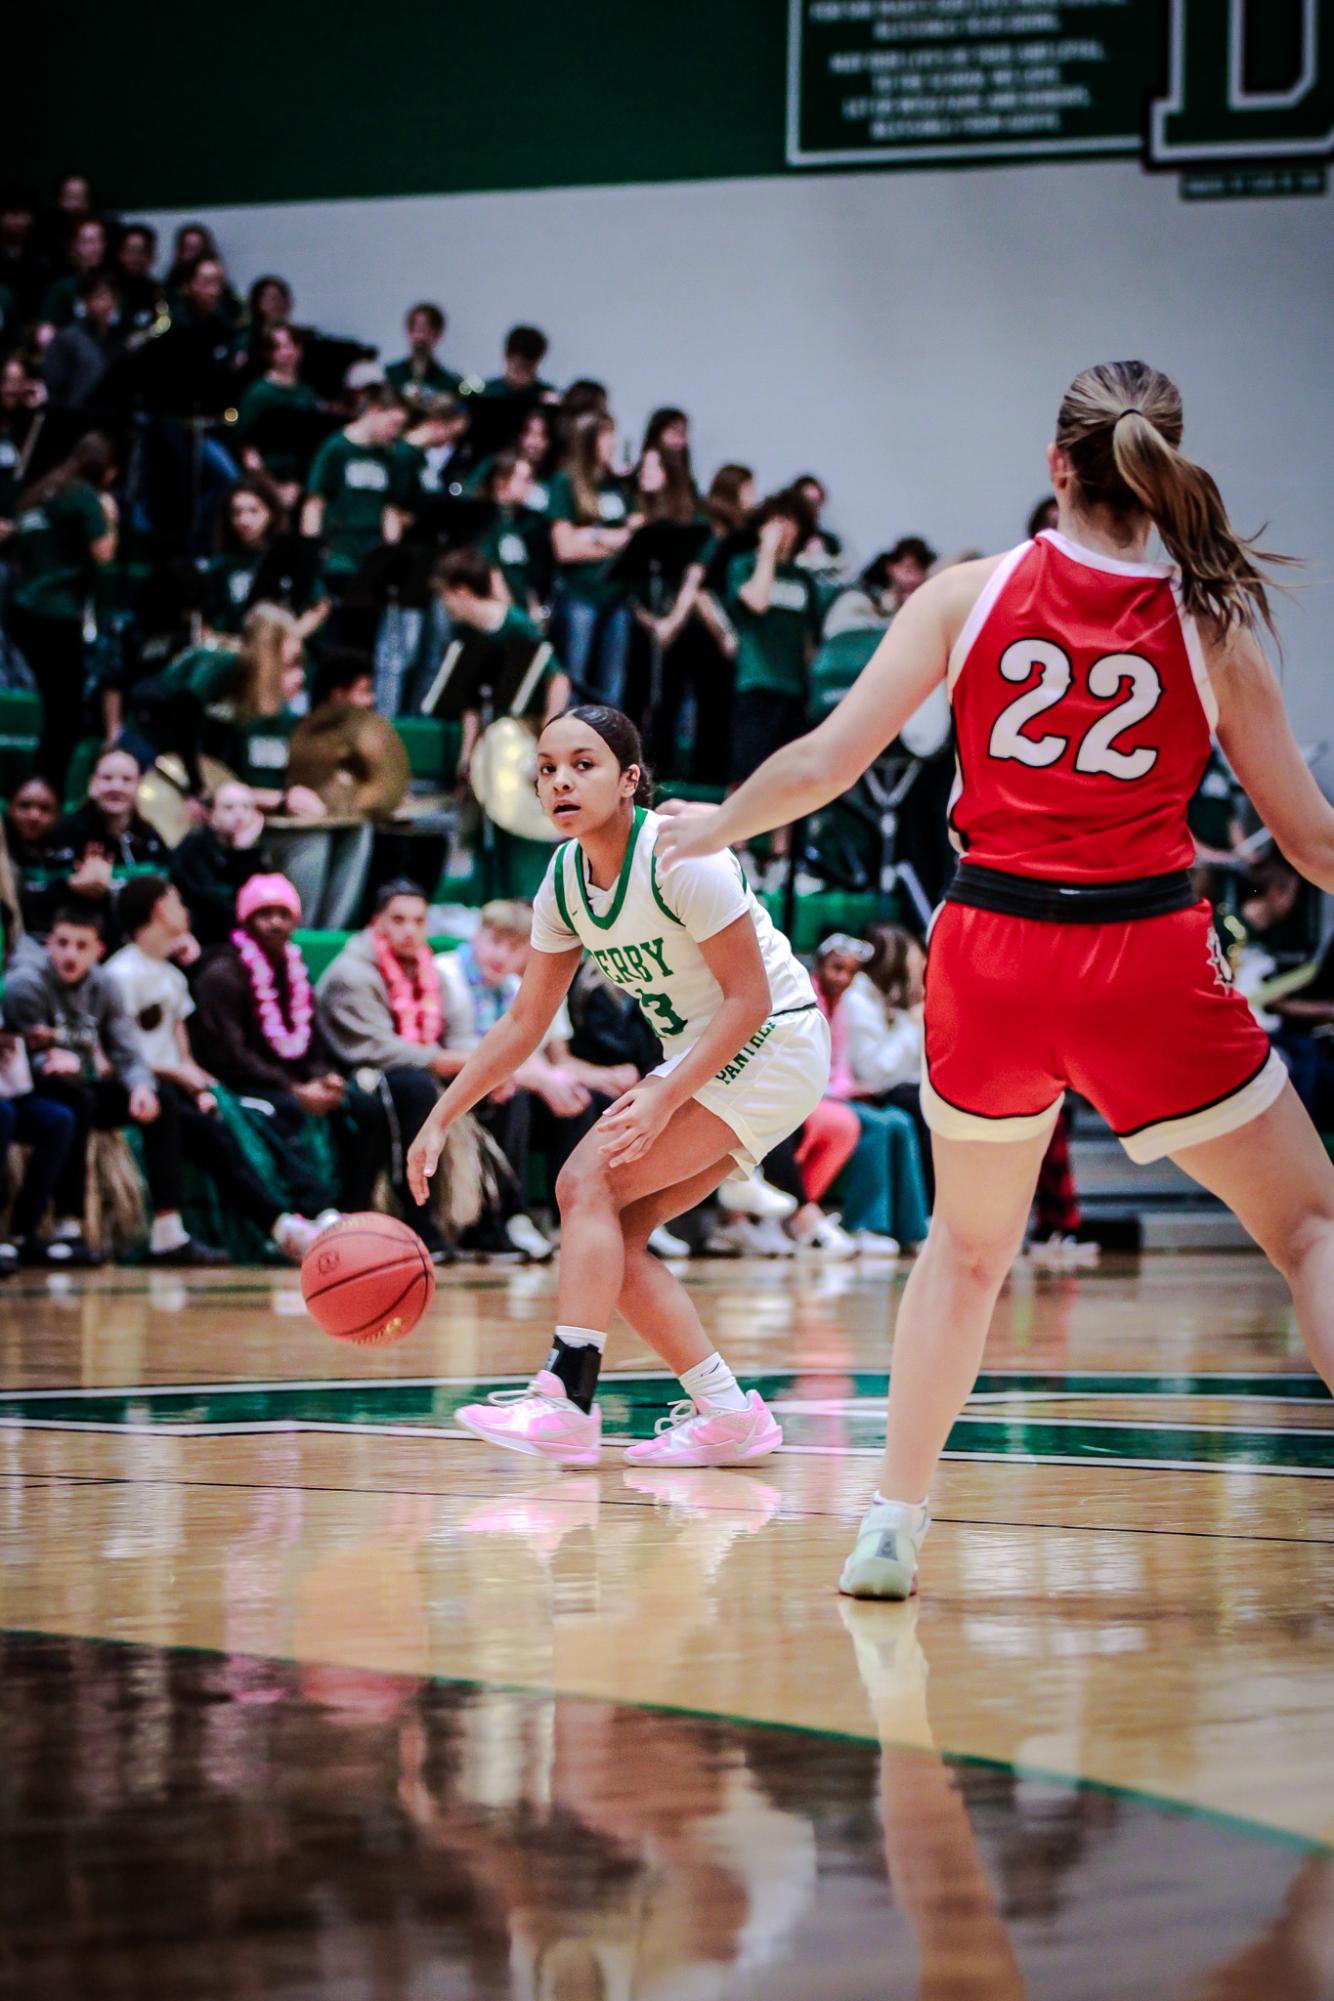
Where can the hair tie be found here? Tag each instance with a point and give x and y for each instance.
(1131, 410)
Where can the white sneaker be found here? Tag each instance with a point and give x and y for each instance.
(327, 1218)
(721, 1243)
(755, 1197)
(827, 1240)
(883, 1560)
(294, 1236)
(1059, 1253)
(870, 1245)
(664, 1245)
(761, 1237)
(523, 1233)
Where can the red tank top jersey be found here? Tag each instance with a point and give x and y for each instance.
(1082, 713)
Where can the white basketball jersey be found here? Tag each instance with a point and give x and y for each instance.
(645, 931)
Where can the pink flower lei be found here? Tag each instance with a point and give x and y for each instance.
(287, 1043)
(415, 1002)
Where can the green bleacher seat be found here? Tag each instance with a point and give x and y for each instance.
(828, 910)
(20, 712)
(682, 788)
(432, 747)
(81, 769)
(17, 754)
(321, 948)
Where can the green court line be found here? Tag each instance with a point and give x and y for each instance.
(631, 1407)
(1258, 1830)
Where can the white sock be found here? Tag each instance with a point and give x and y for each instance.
(168, 1232)
(920, 1511)
(712, 1384)
(66, 1229)
(581, 1337)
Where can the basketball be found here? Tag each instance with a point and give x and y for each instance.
(367, 1280)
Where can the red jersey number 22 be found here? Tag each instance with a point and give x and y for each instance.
(1097, 753)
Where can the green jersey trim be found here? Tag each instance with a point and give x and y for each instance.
(558, 884)
(623, 884)
(658, 897)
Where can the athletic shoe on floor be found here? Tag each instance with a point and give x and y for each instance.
(871, 1245)
(59, 1254)
(664, 1245)
(883, 1563)
(539, 1420)
(1061, 1253)
(691, 1435)
(294, 1236)
(827, 1240)
(327, 1218)
(190, 1253)
(755, 1197)
(761, 1237)
(522, 1234)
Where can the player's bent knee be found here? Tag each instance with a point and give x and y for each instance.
(980, 1260)
(1297, 1240)
(583, 1184)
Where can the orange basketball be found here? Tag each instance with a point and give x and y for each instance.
(368, 1280)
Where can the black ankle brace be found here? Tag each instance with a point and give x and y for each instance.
(577, 1369)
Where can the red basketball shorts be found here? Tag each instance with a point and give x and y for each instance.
(1140, 1018)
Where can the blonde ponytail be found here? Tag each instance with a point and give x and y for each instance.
(1120, 424)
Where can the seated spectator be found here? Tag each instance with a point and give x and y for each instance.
(29, 826)
(356, 493)
(279, 387)
(804, 1168)
(142, 300)
(78, 355)
(106, 840)
(591, 523)
(64, 532)
(84, 1057)
(550, 1109)
(381, 1008)
(157, 1002)
(255, 1031)
(212, 863)
(468, 589)
(327, 864)
(202, 300)
(85, 252)
(421, 367)
(47, 1130)
(891, 577)
(882, 1010)
(525, 351)
(775, 607)
(882, 1188)
(192, 241)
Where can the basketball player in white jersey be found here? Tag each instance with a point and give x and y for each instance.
(747, 1061)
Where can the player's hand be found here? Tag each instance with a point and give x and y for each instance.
(144, 1106)
(424, 1157)
(688, 833)
(628, 1128)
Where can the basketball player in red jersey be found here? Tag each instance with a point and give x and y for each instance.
(1085, 681)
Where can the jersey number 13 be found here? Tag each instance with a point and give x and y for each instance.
(1097, 753)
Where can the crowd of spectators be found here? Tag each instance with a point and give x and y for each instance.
(218, 525)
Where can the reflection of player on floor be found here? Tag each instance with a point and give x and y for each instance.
(1070, 951)
(748, 1060)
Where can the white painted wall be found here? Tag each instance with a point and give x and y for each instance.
(907, 336)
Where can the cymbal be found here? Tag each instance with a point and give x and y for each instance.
(355, 759)
(503, 774)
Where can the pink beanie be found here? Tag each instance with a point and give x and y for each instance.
(267, 892)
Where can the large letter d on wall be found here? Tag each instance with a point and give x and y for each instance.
(1250, 80)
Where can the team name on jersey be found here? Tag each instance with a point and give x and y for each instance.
(634, 965)
(731, 1071)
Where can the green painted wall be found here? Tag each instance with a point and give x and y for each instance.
(177, 105)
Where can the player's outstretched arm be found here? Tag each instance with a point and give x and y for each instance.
(1254, 731)
(806, 774)
(502, 1050)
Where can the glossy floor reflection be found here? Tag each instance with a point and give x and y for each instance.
(219, 1825)
(302, 1692)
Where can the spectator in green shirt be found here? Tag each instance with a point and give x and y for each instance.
(21, 398)
(64, 531)
(86, 251)
(249, 528)
(468, 589)
(426, 450)
(591, 523)
(525, 351)
(279, 388)
(421, 368)
(516, 545)
(774, 605)
(356, 494)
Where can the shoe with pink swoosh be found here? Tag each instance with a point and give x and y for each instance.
(539, 1420)
(689, 1436)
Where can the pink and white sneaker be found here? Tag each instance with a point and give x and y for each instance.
(691, 1436)
(540, 1420)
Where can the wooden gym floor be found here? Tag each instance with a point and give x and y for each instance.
(307, 1694)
